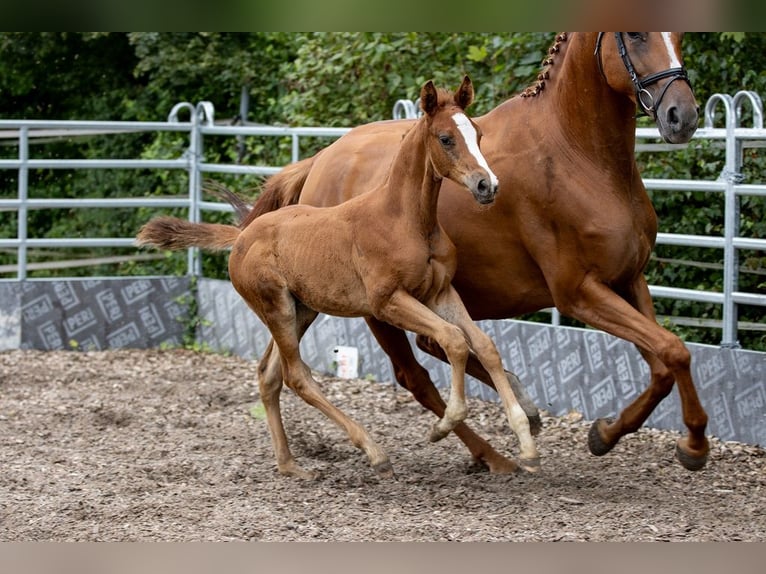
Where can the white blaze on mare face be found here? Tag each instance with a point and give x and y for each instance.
(470, 136)
(674, 61)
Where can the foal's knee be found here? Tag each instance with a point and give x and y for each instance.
(455, 345)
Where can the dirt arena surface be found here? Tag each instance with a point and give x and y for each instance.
(171, 446)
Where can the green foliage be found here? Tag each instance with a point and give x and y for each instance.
(327, 79)
(348, 78)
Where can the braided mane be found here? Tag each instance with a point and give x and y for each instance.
(539, 85)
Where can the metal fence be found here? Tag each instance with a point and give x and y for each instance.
(200, 124)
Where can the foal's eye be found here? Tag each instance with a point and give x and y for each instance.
(446, 140)
(636, 35)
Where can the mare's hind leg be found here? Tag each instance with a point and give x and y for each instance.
(477, 370)
(412, 376)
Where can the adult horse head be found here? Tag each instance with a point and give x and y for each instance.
(655, 76)
(573, 227)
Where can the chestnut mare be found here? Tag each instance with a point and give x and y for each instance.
(572, 228)
(382, 255)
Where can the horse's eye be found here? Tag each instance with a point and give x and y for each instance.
(636, 35)
(446, 141)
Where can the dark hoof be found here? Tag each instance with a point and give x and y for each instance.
(596, 444)
(690, 461)
(384, 469)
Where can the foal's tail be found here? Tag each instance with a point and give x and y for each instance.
(173, 233)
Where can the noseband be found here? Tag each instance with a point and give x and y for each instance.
(644, 97)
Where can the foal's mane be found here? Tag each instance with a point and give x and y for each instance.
(539, 85)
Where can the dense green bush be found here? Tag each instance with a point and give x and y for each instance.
(328, 79)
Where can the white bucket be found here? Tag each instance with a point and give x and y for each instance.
(346, 361)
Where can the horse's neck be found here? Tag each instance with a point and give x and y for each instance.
(591, 116)
(413, 185)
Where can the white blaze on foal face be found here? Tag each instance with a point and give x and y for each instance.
(466, 129)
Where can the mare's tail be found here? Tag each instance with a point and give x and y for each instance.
(281, 189)
(174, 234)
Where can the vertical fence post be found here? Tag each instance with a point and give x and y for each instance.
(194, 265)
(731, 218)
(23, 211)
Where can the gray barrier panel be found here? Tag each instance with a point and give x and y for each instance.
(562, 368)
(93, 314)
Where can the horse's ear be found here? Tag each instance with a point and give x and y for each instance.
(429, 99)
(464, 94)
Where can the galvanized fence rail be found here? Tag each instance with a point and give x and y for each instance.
(201, 123)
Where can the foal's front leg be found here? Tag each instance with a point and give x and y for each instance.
(404, 311)
(450, 305)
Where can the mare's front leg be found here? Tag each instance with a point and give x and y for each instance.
(450, 306)
(412, 376)
(597, 305)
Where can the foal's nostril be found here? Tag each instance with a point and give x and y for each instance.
(483, 186)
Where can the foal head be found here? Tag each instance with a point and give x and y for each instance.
(649, 65)
(453, 140)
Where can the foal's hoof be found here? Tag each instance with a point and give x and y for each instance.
(296, 471)
(500, 465)
(384, 469)
(597, 445)
(689, 459)
(437, 433)
(530, 464)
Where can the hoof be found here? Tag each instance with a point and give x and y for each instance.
(596, 444)
(499, 465)
(296, 471)
(384, 469)
(530, 464)
(437, 434)
(688, 460)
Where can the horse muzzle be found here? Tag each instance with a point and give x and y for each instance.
(484, 188)
(677, 124)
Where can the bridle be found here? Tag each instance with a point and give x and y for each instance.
(644, 97)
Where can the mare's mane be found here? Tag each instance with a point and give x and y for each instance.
(539, 84)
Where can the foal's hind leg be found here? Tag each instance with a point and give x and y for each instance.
(411, 375)
(270, 386)
(286, 332)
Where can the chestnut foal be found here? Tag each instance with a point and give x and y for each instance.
(382, 254)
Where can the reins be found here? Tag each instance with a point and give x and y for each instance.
(649, 106)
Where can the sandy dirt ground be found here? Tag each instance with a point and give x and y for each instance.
(172, 446)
